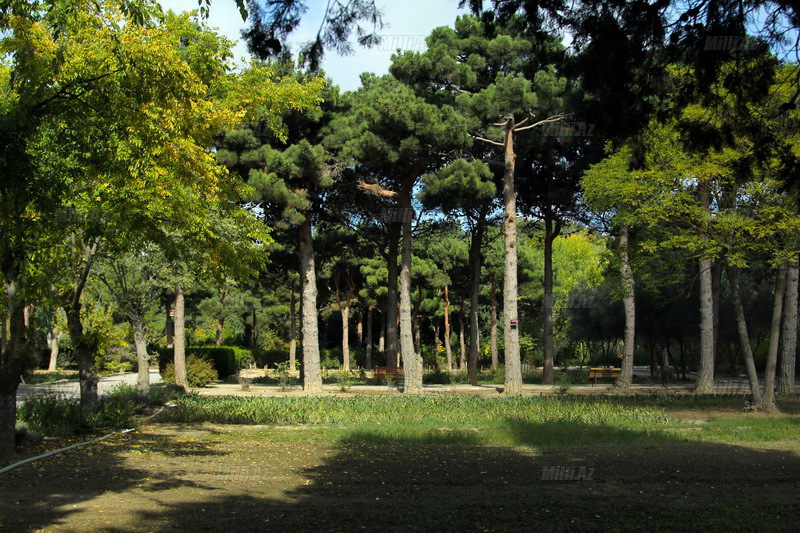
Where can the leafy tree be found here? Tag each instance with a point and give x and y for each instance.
(392, 137)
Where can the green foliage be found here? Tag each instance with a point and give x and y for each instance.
(223, 359)
(265, 358)
(282, 372)
(52, 415)
(199, 372)
(437, 376)
(463, 411)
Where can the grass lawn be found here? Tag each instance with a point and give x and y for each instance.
(430, 463)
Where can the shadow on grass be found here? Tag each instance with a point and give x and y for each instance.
(448, 481)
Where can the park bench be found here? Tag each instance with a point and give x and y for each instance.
(604, 374)
(389, 372)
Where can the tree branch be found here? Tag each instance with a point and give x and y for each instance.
(486, 140)
(554, 118)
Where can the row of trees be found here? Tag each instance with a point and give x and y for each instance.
(496, 118)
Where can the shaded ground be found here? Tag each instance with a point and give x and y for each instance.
(235, 478)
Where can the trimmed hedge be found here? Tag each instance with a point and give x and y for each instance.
(223, 358)
(272, 357)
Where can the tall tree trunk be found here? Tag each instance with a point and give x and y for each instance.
(169, 329)
(744, 337)
(143, 360)
(368, 349)
(412, 363)
(179, 341)
(346, 335)
(52, 341)
(716, 291)
(493, 325)
(768, 397)
(513, 379)
(474, 295)
(312, 373)
(417, 329)
(789, 335)
(12, 365)
(448, 350)
(84, 354)
(220, 327)
(629, 303)
(292, 329)
(705, 374)
(360, 327)
(392, 338)
(462, 343)
(548, 372)
(382, 335)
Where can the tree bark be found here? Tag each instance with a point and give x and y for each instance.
(391, 340)
(52, 337)
(705, 374)
(513, 377)
(382, 335)
(448, 350)
(169, 329)
(143, 360)
(462, 343)
(368, 349)
(744, 337)
(312, 373)
(220, 327)
(412, 363)
(629, 303)
(346, 335)
(768, 397)
(179, 340)
(493, 328)
(474, 296)
(789, 341)
(548, 372)
(12, 365)
(292, 330)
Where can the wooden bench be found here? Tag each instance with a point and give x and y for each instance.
(389, 372)
(604, 374)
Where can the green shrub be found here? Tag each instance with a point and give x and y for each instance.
(270, 358)
(52, 414)
(436, 377)
(199, 372)
(223, 359)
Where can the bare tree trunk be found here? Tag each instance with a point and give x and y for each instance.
(744, 337)
(462, 344)
(143, 360)
(179, 341)
(169, 329)
(392, 335)
(448, 350)
(513, 378)
(474, 295)
(412, 364)
(493, 328)
(705, 374)
(548, 372)
(789, 342)
(368, 349)
(312, 373)
(768, 396)
(220, 326)
(360, 327)
(629, 303)
(417, 329)
(52, 340)
(12, 365)
(346, 335)
(382, 335)
(292, 329)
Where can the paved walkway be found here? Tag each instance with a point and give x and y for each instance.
(71, 389)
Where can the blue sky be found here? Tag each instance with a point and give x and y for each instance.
(407, 24)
